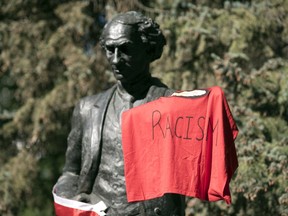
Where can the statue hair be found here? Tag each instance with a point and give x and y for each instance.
(148, 29)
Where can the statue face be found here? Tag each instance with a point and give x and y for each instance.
(126, 53)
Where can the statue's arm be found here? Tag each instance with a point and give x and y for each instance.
(66, 185)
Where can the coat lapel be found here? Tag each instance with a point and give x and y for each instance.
(98, 113)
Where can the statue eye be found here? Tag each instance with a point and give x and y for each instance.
(124, 48)
(110, 49)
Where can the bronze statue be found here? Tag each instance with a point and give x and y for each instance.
(94, 168)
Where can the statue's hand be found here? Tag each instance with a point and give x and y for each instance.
(83, 197)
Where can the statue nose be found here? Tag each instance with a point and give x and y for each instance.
(116, 57)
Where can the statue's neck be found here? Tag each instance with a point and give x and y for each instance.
(139, 88)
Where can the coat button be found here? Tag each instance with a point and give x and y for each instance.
(157, 211)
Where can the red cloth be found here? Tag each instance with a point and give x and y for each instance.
(66, 211)
(182, 145)
(67, 207)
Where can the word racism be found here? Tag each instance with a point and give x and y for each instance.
(182, 127)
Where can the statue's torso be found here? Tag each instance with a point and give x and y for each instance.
(110, 182)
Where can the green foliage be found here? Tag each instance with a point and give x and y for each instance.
(44, 69)
(16, 180)
(49, 58)
(245, 48)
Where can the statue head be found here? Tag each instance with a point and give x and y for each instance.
(132, 41)
(148, 31)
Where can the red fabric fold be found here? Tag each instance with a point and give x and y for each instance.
(61, 210)
(69, 207)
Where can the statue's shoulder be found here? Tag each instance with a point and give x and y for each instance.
(89, 101)
(160, 89)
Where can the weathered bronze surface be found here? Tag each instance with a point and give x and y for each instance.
(94, 168)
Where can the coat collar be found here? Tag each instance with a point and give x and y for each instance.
(105, 97)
